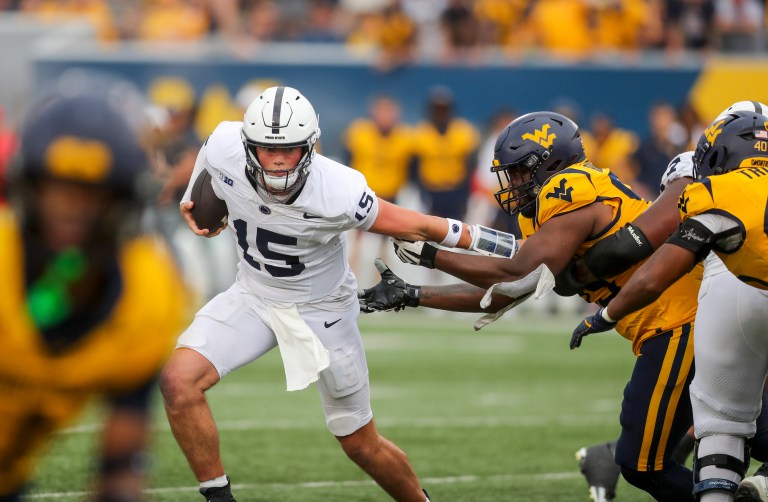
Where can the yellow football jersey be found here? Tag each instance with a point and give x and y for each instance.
(42, 391)
(740, 195)
(583, 184)
(443, 158)
(397, 31)
(383, 159)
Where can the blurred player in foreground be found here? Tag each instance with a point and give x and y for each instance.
(566, 205)
(288, 210)
(89, 307)
(725, 213)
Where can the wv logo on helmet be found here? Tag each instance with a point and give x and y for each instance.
(561, 192)
(541, 137)
(713, 131)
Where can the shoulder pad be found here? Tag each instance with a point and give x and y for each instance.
(224, 146)
(695, 199)
(526, 226)
(564, 192)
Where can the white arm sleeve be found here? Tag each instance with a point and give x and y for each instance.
(716, 223)
(200, 164)
(724, 238)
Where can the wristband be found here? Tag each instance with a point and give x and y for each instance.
(605, 316)
(412, 295)
(428, 256)
(454, 233)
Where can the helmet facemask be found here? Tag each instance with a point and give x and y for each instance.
(705, 158)
(278, 184)
(519, 196)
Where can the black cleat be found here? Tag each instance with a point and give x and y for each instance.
(599, 468)
(218, 493)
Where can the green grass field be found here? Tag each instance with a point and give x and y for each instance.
(489, 416)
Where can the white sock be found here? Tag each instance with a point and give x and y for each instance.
(215, 483)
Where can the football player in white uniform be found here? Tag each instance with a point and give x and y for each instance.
(288, 210)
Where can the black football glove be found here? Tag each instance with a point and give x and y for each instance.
(391, 293)
(591, 324)
(415, 252)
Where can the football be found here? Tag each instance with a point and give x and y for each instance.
(209, 211)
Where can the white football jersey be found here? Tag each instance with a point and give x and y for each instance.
(682, 167)
(293, 252)
(679, 167)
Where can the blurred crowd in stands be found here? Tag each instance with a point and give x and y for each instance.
(447, 30)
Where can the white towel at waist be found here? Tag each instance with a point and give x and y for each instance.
(537, 284)
(304, 355)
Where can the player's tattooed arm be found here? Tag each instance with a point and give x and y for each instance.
(460, 298)
(393, 293)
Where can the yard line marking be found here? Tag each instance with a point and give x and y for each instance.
(546, 476)
(415, 422)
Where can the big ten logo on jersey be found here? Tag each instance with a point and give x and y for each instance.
(226, 179)
(214, 104)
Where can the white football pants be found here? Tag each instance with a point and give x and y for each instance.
(731, 354)
(233, 329)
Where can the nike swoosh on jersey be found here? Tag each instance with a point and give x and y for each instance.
(310, 216)
(329, 324)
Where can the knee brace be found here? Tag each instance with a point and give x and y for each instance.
(723, 470)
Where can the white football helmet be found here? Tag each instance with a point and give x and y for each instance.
(744, 106)
(280, 117)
